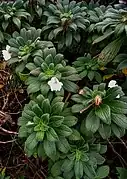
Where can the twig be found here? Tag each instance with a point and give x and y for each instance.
(2, 113)
(7, 131)
(68, 96)
(10, 152)
(6, 142)
(18, 100)
(14, 113)
(113, 149)
(86, 107)
(123, 143)
(5, 72)
(5, 102)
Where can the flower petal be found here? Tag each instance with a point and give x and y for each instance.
(112, 84)
(6, 54)
(54, 84)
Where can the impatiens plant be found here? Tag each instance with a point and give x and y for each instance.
(12, 13)
(88, 67)
(82, 161)
(45, 124)
(64, 23)
(51, 72)
(24, 46)
(106, 109)
(115, 19)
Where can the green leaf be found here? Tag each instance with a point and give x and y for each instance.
(41, 152)
(112, 93)
(63, 145)
(88, 171)
(37, 110)
(99, 158)
(40, 135)
(110, 51)
(20, 67)
(57, 108)
(17, 22)
(56, 121)
(31, 141)
(102, 172)
(75, 135)
(57, 99)
(104, 131)
(57, 31)
(98, 77)
(1, 37)
(120, 120)
(122, 172)
(45, 118)
(56, 169)
(118, 106)
(104, 113)
(70, 120)
(103, 149)
(64, 131)
(78, 169)
(70, 86)
(23, 131)
(104, 36)
(52, 135)
(31, 66)
(50, 148)
(92, 122)
(67, 165)
(44, 89)
(5, 25)
(33, 87)
(23, 77)
(91, 75)
(53, 20)
(68, 39)
(46, 106)
(118, 131)
(77, 108)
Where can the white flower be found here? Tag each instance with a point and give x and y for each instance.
(29, 123)
(54, 84)
(6, 53)
(112, 84)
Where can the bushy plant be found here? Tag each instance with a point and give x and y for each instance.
(115, 19)
(51, 66)
(64, 23)
(88, 67)
(12, 13)
(107, 110)
(82, 161)
(24, 46)
(46, 124)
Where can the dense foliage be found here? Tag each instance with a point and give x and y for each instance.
(71, 58)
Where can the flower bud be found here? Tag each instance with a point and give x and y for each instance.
(98, 100)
